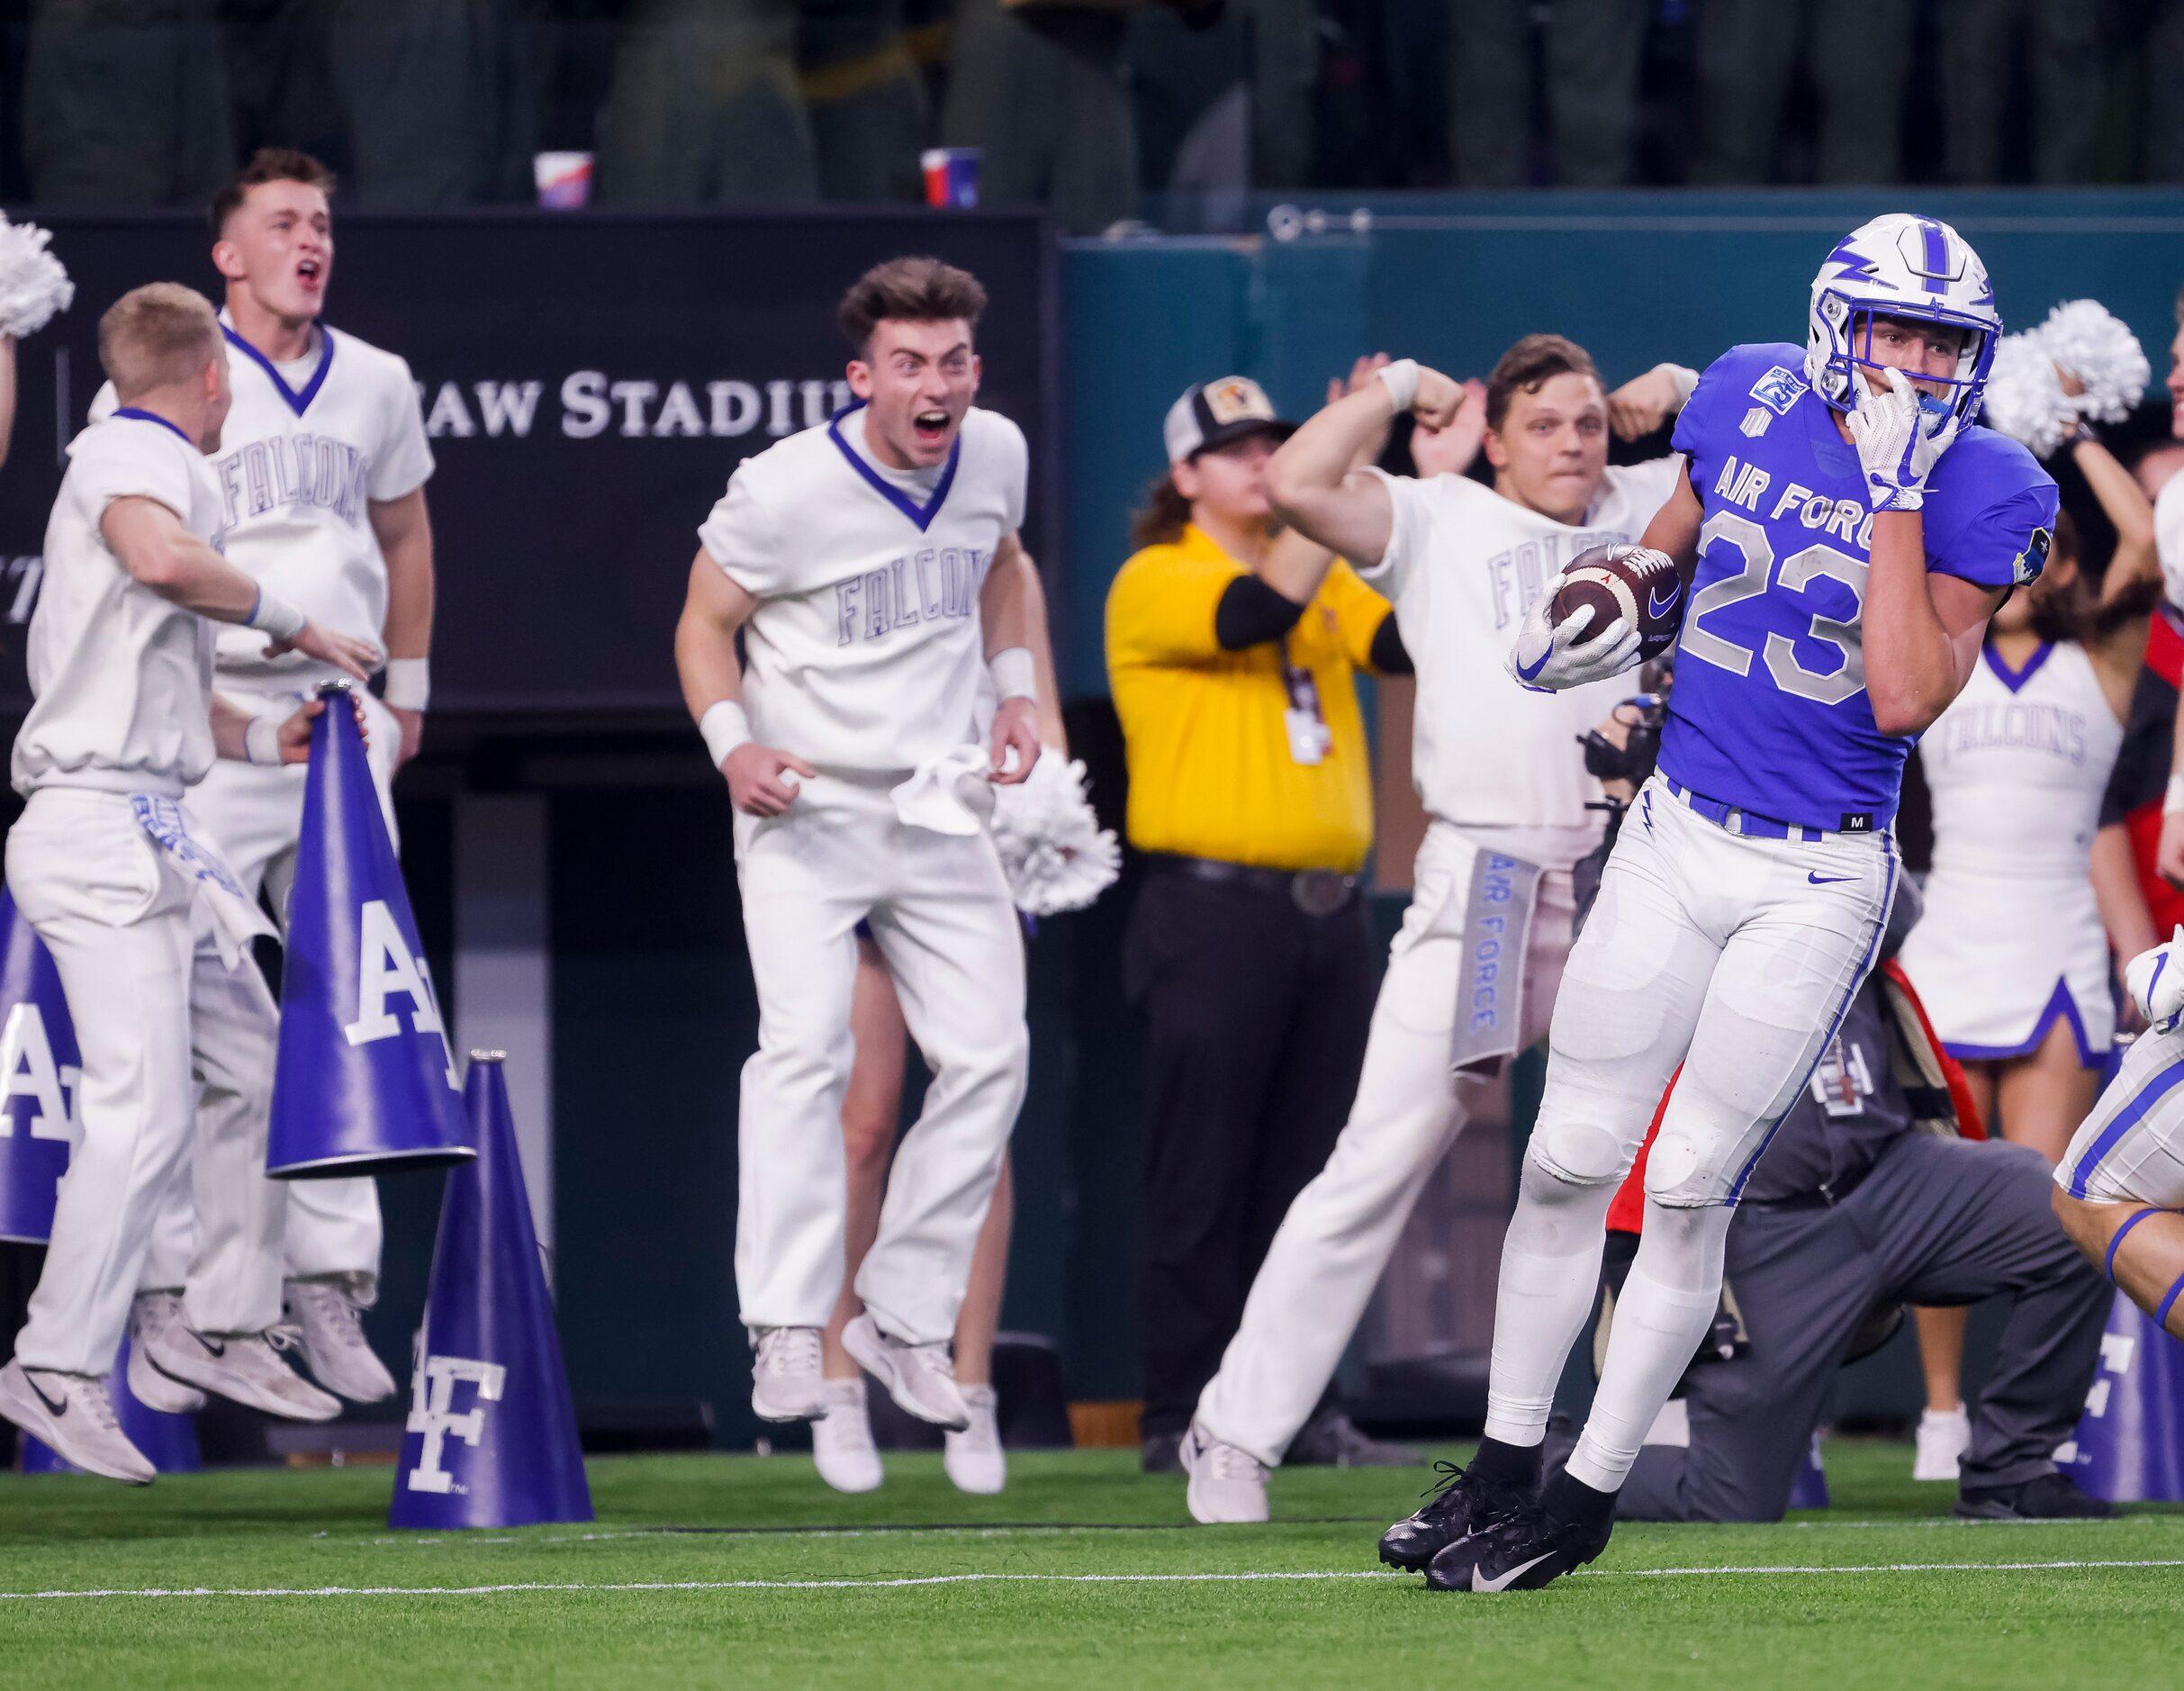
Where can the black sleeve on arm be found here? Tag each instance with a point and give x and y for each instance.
(1388, 655)
(1251, 613)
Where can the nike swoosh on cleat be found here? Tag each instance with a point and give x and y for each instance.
(1501, 1582)
(56, 1410)
(221, 1348)
(1827, 881)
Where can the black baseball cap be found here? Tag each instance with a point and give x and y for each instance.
(1214, 413)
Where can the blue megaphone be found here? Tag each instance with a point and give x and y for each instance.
(491, 1435)
(365, 1079)
(40, 1067)
(2129, 1447)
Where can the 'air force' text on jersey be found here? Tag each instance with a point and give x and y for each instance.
(1770, 712)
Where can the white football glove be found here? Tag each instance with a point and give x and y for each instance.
(2155, 981)
(1547, 659)
(1898, 442)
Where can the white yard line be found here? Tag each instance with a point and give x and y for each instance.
(1018, 1578)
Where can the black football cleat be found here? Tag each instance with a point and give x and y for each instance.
(1521, 1552)
(1461, 1503)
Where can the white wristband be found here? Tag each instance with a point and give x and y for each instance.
(408, 682)
(2172, 801)
(262, 739)
(276, 616)
(1014, 675)
(1400, 378)
(725, 727)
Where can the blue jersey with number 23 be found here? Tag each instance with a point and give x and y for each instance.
(1770, 712)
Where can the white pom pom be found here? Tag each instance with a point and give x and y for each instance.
(32, 284)
(1056, 854)
(2085, 338)
(2025, 397)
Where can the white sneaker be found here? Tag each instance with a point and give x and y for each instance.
(974, 1457)
(841, 1447)
(1943, 1436)
(328, 1317)
(245, 1368)
(785, 1384)
(73, 1417)
(150, 1316)
(1228, 1487)
(919, 1376)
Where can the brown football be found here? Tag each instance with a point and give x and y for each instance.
(1641, 586)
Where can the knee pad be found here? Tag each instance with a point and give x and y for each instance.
(1680, 1174)
(1578, 1152)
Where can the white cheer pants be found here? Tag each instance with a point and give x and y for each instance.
(939, 911)
(1332, 1245)
(157, 1014)
(1733, 956)
(254, 814)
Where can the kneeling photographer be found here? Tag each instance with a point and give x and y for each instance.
(1869, 1197)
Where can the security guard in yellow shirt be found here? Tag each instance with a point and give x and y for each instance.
(1246, 953)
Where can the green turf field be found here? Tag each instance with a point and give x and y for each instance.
(746, 1571)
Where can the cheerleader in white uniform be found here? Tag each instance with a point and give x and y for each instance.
(2012, 955)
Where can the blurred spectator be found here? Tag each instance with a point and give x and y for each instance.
(1247, 952)
(865, 95)
(2061, 42)
(1038, 87)
(1859, 55)
(705, 107)
(1595, 49)
(438, 97)
(2163, 51)
(126, 103)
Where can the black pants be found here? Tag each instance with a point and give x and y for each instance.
(1257, 1017)
(1936, 1221)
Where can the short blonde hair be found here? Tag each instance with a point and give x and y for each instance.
(159, 333)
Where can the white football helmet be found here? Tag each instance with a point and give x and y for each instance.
(1901, 266)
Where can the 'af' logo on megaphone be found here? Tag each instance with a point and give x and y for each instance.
(432, 1412)
(385, 967)
(27, 1070)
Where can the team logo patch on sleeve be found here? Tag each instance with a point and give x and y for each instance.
(2028, 563)
(1778, 390)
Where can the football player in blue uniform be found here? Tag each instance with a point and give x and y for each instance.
(1844, 531)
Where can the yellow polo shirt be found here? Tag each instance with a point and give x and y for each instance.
(1211, 772)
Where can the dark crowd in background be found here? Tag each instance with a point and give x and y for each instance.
(1110, 113)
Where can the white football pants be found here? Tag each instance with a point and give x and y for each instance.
(254, 814)
(939, 911)
(157, 1014)
(1736, 957)
(1332, 1245)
